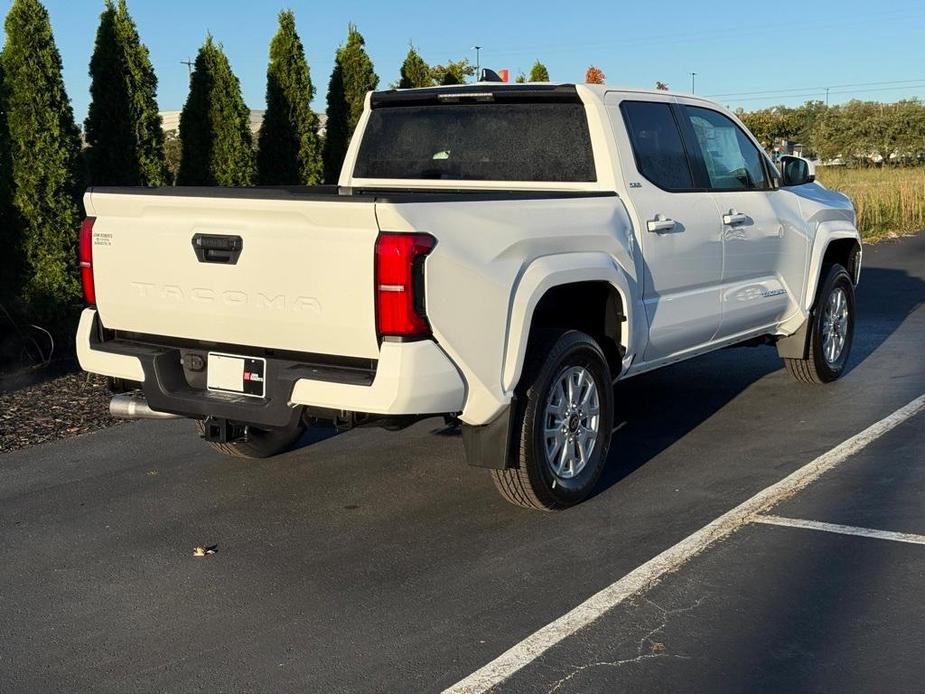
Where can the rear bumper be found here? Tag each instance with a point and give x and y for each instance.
(412, 378)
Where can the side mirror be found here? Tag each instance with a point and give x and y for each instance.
(796, 171)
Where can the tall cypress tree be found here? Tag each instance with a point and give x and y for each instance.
(352, 77)
(215, 135)
(414, 71)
(9, 241)
(123, 128)
(290, 151)
(45, 153)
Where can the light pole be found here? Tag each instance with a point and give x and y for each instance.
(693, 78)
(478, 65)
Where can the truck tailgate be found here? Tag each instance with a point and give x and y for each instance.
(303, 280)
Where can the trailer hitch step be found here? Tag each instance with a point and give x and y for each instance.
(220, 430)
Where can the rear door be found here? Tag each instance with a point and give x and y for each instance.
(679, 228)
(246, 268)
(732, 166)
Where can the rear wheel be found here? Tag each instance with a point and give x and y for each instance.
(563, 424)
(260, 443)
(831, 331)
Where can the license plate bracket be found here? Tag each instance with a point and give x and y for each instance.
(232, 373)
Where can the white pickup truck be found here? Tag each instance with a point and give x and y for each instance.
(497, 254)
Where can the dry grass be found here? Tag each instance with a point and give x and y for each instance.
(890, 202)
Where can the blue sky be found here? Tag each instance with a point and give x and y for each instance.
(788, 51)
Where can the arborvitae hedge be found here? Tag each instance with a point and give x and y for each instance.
(45, 152)
(217, 148)
(290, 150)
(352, 77)
(414, 71)
(9, 269)
(123, 128)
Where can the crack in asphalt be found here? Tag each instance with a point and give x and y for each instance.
(656, 648)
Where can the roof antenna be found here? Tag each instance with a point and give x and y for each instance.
(489, 76)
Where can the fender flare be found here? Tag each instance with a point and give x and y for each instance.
(542, 275)
(826, 233)
(796, 345)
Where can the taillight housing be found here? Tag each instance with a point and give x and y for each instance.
(399, 283)
(85, 258)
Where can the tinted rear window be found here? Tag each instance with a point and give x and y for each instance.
(656, 140)
(546, 142)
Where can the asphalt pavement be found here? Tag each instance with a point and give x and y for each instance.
(378, 561)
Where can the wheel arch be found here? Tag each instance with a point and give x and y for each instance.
(834, 244)
(550, 293)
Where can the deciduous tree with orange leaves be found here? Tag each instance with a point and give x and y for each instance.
(594, 75)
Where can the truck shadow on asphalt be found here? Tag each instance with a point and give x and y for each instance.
(656, 410)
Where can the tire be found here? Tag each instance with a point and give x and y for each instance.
(260, 443)
(820, 366)
(552, 361)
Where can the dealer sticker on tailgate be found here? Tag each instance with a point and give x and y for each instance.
(231, 374)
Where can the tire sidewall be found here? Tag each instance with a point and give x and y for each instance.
(837, 277)
(571, 349)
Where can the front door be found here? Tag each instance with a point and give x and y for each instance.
(754, 296)
(679, 228)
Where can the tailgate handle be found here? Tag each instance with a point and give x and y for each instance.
(217, 248)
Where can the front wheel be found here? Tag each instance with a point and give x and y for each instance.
(831, 331)
(563, 423)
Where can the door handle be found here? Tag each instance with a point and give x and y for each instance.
(733, 217)
(217, 248)
(660, 223)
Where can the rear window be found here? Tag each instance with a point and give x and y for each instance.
(546, 142)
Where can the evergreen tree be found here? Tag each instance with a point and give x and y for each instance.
(45, 154)
(215, 135)
(353, 76)
(337, 134)
(123, 128)
(9, 267)
(414, 71)
(539, 73)
(290, 151)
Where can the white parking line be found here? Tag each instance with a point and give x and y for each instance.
(841, 529)
(512, 660)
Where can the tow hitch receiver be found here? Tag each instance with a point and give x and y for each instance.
(220, 430)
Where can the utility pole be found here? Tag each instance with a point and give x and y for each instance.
(693, 77)
(189, 66)
(826, 97)
(478, 64)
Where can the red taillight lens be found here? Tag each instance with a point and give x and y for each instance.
(85, 256)
(400, 284)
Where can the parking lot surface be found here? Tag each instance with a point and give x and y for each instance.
(378, 561)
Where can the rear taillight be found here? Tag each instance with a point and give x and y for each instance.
(400, 284)
(85, 257)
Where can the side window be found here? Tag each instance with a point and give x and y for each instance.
(731, 160)
(657, 145)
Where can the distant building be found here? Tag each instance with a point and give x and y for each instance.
(171, 121)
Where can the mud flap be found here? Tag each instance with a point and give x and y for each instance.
(489, 445)
(795, 346)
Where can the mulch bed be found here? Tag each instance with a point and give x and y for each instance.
(57, 408)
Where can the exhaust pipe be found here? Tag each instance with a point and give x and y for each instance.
(134, 406)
